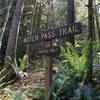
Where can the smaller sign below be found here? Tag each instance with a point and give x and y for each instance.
(47, 51)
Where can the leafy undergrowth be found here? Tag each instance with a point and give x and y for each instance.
(30, 88)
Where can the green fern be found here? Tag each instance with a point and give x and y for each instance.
(23, 62)
(75, 70)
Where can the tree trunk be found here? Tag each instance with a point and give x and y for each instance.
(5, 23)
(35, 27)
(89, 64)
(12, 42)
(71, 17)
(97, 19)
(90, 19)
(9, 71)
(48, 60)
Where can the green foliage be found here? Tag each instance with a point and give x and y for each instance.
(75, 62)
(23, 62)
(59, 9)
(7, 92)
(89, 62)
(39, 92)
(71, 86)
(38, 63)
(96, 52)
(19, 95)
(10, 93)
(14, 64)
(18, 70)
(2, 77)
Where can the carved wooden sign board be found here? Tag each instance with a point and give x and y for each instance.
(68, 30)
(56, 33)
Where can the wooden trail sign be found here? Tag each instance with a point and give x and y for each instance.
(64, 31)
(47, 51)
(56, 33)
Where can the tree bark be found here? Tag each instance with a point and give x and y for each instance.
(35, 27)
(48, 60)
(89, 64)
(97, 19)
(5, 23)
(90, 19)
(12, 42)
(71, 17)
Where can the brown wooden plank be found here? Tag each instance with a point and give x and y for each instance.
(64, 31)
(47, 51)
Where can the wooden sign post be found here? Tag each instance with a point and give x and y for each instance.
(48, 70)
(60, 32)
